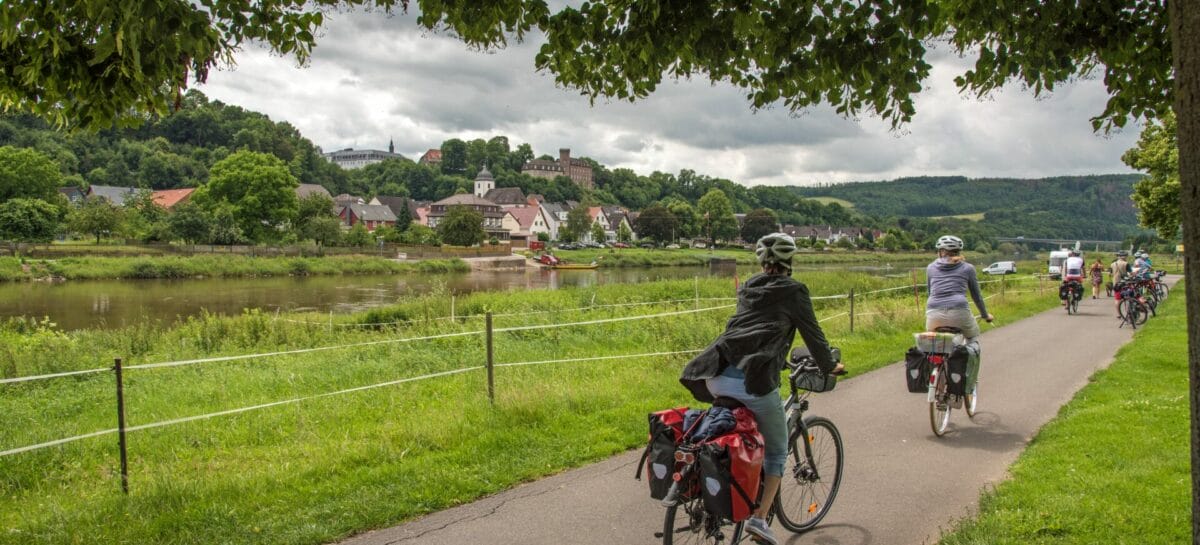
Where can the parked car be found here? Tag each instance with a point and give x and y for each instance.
(672, 246)
(647, 245)
(620, 245)
(1001, 267)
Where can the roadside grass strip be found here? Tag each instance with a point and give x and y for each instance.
(1113, 467)
(283, 460)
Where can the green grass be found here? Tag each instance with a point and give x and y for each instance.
(972, 217)
(644, 257)
(828, 200)
(316, 471)
(1113, 467)
(92, 268)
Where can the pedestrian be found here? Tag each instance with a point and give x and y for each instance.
(1097, 273)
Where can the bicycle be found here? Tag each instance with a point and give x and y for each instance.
(1074, 292)
(811, 477)
(941, 400)
(1132, 306)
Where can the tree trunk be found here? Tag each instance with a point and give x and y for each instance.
(1184, 17)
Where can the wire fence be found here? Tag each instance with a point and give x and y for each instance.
(488, 332)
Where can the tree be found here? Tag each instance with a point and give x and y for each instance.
(656, 223)
(454, 157)
(462, 226)
(358, 236)
(145, 220)
(686, 216)
(759, 223)
(323, 230)
(97, 216)
(420, 234)
(190, 223)
(624, 234)
(716, 213)
(27, 174)
(1157, 196)
(29, 220)
(259, 189)
(598, 233)
(577, 225)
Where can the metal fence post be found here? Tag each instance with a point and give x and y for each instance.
(121, 427)
(852, 310)
(916, 293)
(491, 373)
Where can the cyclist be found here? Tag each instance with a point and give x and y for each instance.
(1072, 274)
(1097, 274)
(745, 361)
(948, 279)
(1120, 270)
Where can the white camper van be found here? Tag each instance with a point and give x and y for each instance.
(1057, 258)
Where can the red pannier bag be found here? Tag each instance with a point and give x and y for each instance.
(666, 431)
(731, 468)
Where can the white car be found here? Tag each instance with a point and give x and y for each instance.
(1001, 267)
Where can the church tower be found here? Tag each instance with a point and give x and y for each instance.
(484, 182)
(391, 146)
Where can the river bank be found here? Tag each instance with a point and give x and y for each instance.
(211, 266)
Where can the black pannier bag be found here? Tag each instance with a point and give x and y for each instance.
(916, 371)
(666, 430)
(956, 370)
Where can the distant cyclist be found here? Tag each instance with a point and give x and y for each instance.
(1121, 270)
(1072, 275)
(745, 361)
(949, 279)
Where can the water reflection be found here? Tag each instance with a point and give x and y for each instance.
(119, 303)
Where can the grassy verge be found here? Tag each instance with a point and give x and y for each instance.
(1113, 467)
(643, 257)
(319, 470)
(92, 268)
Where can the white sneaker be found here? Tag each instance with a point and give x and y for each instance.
(760, 530)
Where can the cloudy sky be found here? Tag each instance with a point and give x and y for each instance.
(375, 77)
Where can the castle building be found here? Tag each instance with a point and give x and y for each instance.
(578, 170)
(351, 158)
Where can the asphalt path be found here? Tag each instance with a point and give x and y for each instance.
(902, 485)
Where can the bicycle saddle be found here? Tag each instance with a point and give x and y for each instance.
(947, 329)
(727, 402)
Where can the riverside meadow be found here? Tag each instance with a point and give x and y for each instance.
(330, 462)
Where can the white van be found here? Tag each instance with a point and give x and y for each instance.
(1001, 267)
(1057, 258)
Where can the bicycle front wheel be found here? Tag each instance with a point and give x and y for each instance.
(812, 475)
(688, 523)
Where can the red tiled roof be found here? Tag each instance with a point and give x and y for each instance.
(525, 216)
(168, 198)
(433, 155)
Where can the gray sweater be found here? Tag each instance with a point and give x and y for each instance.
(948, 284)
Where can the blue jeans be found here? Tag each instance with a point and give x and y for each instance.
(768, 412)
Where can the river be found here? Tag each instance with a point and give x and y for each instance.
(106, 304)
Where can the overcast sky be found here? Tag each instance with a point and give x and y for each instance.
(373, 78)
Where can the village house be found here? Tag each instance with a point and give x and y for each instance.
(308, 190)
(598, 216)
(828, 234)
(526, 223)
(74, 195)
(115, 195)
(432, 158)
(556, 216)
(371, 216)
(397, 204)
(169, 198)
(493, 216)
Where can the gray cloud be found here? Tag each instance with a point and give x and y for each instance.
(373, 78)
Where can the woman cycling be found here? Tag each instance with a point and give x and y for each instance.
(1097, 274)
(745, 361)
(948, 280)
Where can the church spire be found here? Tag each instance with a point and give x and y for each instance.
(391, 146)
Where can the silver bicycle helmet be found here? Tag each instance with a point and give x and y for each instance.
(775, 248)
(949, 242)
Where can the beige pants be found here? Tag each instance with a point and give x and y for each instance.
(962, 318)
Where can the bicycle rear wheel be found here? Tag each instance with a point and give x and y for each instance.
(688, 523)
(939, 408)
(810, 484)
(1074, 305)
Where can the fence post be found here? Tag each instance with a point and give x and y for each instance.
(451, 308)
(121, 427)
(331, 322)
(491, 374)
(696, 281)
(1003, 286)
(916, 293)
(852, 310)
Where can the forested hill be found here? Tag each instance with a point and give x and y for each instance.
(1097, 206)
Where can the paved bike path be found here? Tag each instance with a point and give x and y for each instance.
(902, 485)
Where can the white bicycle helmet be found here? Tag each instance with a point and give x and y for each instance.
(949, 242)
(775, 248)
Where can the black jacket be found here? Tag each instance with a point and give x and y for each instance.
(770, 309)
